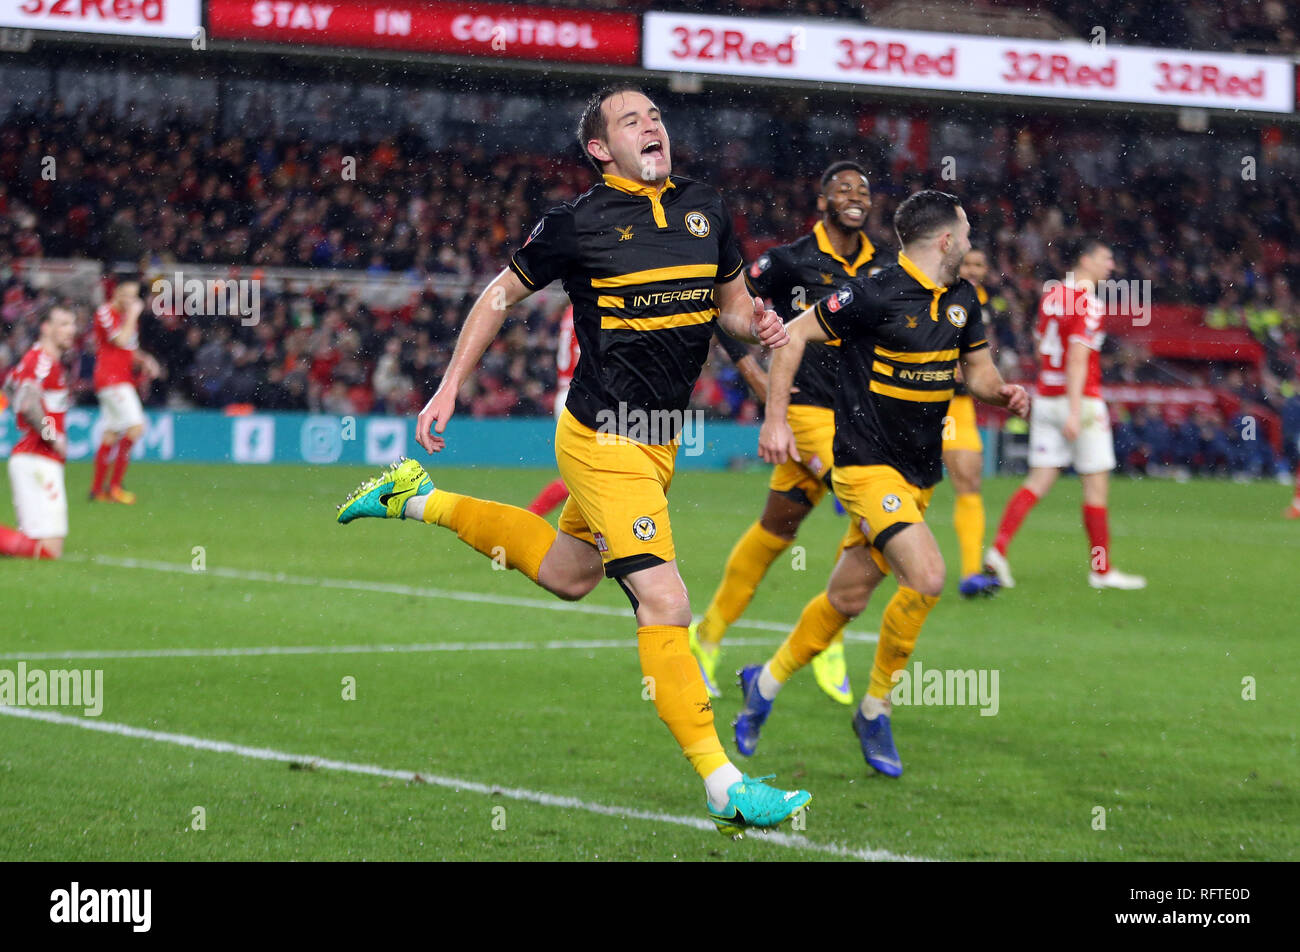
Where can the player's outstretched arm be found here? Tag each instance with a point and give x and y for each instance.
(776, 440)
(746, 318)
(480, 328)
(985, 383)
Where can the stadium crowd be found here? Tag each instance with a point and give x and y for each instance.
(444, 217)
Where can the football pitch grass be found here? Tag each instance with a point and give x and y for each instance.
(491, 721)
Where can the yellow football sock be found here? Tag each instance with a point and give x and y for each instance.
(749, 561)
(677, 688)
(904, 616)
(818, 626)
(497, 530)
(968, 520)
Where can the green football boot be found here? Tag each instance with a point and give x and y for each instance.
(753, 805)
(384, 496)
(708, 660)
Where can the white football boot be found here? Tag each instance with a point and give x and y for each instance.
(996, 563)
(1116, 579)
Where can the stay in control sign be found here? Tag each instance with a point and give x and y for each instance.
(456, 27)
(845, 53)
(178, 19)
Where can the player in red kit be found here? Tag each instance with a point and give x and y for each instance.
(1069, 423)
(39, 386)
(117, 327)
(566, 358)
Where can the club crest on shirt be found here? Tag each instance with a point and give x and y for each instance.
(891, 503)
(697, 224)
(644, 529)
(839, 299)
(956, 315)
(758, 267)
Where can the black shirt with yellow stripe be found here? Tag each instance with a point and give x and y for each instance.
(900, 336)
(639, 263)
(791, 278)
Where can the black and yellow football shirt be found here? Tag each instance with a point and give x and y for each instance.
(900, 336)
(639, 263)
(792, 278)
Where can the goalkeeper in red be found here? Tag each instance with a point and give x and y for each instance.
(902, 332)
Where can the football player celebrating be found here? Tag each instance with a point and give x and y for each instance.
(1070, 423)
(902, 333)
(651, 264)
(40, 400)
(117, 331)
(789, 276)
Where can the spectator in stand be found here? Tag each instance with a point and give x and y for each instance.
(1213, 451)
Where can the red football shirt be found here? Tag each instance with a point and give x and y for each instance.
(112, 363)
(1068, 313)
(48, 374)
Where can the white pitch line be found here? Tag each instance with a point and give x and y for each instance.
(483, 598)
(110, 654)
(452, 783)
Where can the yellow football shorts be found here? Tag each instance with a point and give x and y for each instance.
(618, 495)
(814, 436)
(881, 503)
(959, 429)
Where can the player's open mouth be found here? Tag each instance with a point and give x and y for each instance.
(654, 148)
(854, 213)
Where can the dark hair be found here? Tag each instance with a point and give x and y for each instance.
(593, 124)
(1078, 248)
(48, 312)
(130, 277)
(922, 214)
(835, 168)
